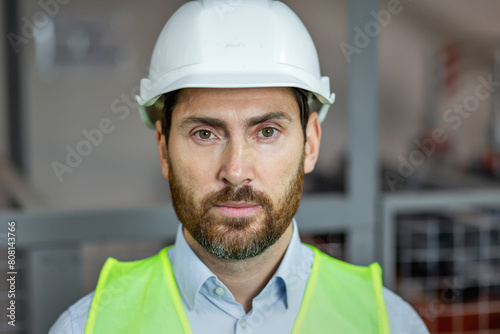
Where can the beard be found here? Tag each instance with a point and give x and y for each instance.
(236, 238)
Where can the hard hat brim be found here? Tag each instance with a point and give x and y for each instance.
(151, 107)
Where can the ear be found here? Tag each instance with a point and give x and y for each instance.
(313, 138)
(162, 150)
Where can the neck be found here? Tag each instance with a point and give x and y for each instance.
(245, 278)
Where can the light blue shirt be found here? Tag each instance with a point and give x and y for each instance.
(211, 306)
(212, 309)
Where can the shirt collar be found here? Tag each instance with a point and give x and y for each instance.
(191, 273)
(291, 268)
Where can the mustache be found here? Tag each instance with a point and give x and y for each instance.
(241, 194)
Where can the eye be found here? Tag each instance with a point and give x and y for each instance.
(204, 134)
(268, 132)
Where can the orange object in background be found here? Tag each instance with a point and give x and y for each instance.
(466, 318)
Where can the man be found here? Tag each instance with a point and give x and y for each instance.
(235, 136)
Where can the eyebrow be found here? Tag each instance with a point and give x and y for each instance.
(215, 122)
(271, 116)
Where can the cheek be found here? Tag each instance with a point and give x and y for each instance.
(195, 169)
(276, 169)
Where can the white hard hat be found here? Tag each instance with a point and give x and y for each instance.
(232, 44)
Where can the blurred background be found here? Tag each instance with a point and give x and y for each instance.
(408, 175)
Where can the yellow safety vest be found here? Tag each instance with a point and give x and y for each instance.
(142, 297)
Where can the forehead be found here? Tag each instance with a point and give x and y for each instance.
(194, 100)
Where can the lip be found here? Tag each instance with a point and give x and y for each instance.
(238, 210)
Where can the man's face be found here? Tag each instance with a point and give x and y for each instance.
(235, 163)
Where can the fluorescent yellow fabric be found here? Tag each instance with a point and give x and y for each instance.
(142, 297)
(342, 298)
(137, 297)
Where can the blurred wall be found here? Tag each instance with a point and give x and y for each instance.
(414, 36)
(122, 170)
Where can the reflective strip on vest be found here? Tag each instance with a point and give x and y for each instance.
(142, 297)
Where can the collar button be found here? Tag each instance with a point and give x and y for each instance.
(219, 291)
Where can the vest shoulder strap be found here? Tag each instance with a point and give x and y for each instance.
(137, 297)
(342, 298)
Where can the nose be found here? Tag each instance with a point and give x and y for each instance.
(237, 167)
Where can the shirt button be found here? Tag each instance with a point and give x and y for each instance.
(243, 323)
(219, 291)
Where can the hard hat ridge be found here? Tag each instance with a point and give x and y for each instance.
(233, 3)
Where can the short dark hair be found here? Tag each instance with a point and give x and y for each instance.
(170, 99)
